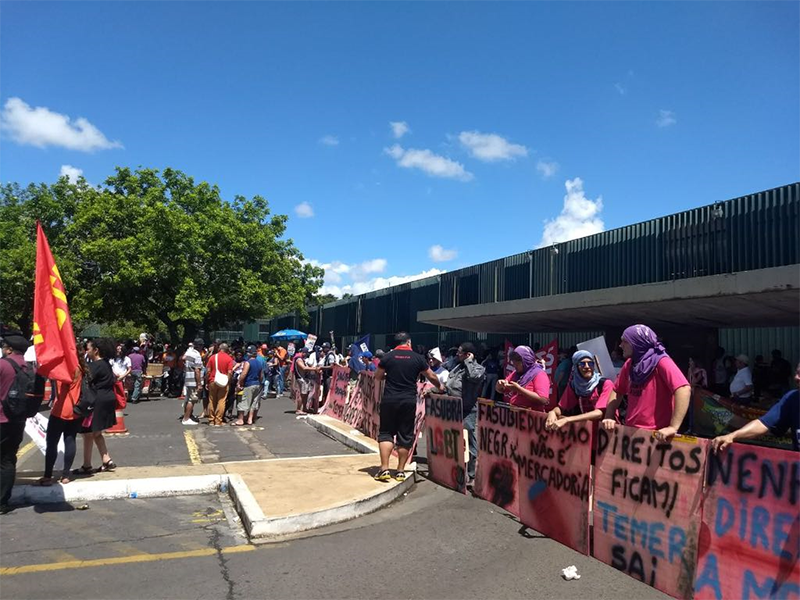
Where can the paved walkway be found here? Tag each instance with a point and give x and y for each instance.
(157, 438)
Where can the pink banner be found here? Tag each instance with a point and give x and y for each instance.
(750, 537)
(554, 481)
(353, 413)
(419, 414)
(445, 441)
(337, 392)
(371, 403)
(647, 502)
(549, 354)
(496, 474)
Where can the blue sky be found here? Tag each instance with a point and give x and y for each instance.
(511, 120)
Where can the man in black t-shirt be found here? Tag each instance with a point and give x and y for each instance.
(401, 369)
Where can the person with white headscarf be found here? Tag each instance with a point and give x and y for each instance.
(586, 396)
(435, 363)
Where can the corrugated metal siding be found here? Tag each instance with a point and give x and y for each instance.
(753, 341)
(751, 232)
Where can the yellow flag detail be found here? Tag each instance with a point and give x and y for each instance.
(61, 316)
(38, 338)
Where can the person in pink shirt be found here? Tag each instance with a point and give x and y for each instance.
(586, 396)
(658, 393)
(528, 386)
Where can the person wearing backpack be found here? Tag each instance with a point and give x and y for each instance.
(12, 427)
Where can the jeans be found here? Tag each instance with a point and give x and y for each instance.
(56, 427)
(470, 424)
(280, 379)
(11, 434)
(137, 385)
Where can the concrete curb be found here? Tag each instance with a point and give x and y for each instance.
(258, 526)
(151, 487)
(355, 439)
(261, 528)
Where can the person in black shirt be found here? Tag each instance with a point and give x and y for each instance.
(400, 368)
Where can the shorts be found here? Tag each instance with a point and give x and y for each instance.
(189, 394)
(250, 399)
(397, 423)
(304, 385)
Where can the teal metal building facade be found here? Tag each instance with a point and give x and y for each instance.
(756, 231)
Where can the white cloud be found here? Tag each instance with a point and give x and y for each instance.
(399, 128)
(72, 173)
(490, 147)
(579, 217)
(432, 164)
(329, 140)
(378, 283)
(42, 127)
(360, 271)
(304, 210)
(621, 89)
(341, 278)
(666, 118)
(547, 168)
(439, 254)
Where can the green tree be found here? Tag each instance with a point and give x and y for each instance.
(158, 248)
(20, 208)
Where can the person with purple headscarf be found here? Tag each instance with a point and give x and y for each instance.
(658, 392)
(528, 386)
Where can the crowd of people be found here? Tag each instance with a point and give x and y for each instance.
(649, 392)
(227, 383)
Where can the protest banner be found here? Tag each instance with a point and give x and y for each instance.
(371, 404)
(445, 441)
(715, 415)
(750, 537)
(337, 392)
(419, 414)
(554, 478)
(549, 354)
(496, 474)
(353, 413)
(647, 501)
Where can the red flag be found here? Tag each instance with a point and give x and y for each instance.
(53, 338)
(550, 356)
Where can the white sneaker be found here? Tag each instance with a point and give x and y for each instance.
(189, 422)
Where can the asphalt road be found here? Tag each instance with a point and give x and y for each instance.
(433, 543)
(156, 437)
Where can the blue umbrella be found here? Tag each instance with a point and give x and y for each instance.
(288, 334)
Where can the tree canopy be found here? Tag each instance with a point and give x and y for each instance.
(152, 248)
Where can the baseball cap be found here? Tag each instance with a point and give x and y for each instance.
(743, 358)
(251, 350)
(326, 345)
(16, 340)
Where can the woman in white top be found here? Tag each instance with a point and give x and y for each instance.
(742, 383)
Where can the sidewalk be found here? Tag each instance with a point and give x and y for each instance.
(274, 495)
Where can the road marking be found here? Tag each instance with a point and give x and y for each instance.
(25, 449)
(191, 446)
(121, 560)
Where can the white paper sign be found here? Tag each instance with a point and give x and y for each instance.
(310, 341)
(36, 428)
(597, 346)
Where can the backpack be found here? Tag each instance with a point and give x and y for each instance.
(25, 395)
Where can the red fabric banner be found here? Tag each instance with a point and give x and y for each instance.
(53, 337)
(445, 441)
(750, 537)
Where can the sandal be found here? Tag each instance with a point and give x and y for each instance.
(65, 480)
(384, 475)
(107, 466)
(84, 470)
(43, 482)
(400, 476)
